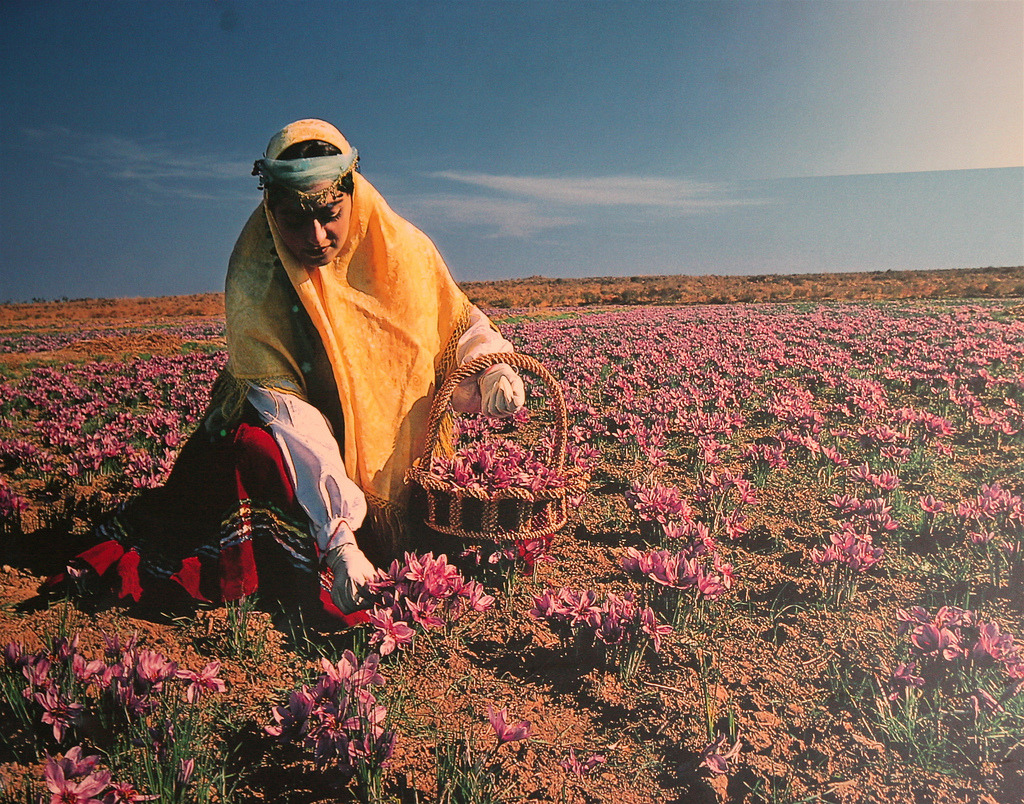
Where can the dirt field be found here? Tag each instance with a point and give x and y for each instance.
(795, 677)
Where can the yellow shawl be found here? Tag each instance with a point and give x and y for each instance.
(388, 315)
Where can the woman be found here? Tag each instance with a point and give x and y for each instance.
(342, 321)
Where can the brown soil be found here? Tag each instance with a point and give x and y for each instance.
(772, 663)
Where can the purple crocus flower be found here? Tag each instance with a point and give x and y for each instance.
(186, 767)
(72, 779)
(507, 733)
(652, 628)
(391, 632)
(291, 722)
(125, 793)
(58, 711)
(903, 678)
(579, 768)
(15, 657)
(114, 650)
(202, 682)
(37, 671)
(350, 674)
(715, 758)
(152, 669)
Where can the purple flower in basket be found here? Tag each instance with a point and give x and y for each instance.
(497, 464)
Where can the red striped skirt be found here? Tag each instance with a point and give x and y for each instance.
(224, 525)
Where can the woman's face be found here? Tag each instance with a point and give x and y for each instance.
(315, 237)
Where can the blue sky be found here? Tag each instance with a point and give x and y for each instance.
(552, 138)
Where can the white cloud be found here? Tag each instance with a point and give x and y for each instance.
(507, 218)
(169, 170)
(683, 195)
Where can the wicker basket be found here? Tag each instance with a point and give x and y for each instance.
(512, 514)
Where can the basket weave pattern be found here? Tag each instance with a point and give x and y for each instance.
(515, 514)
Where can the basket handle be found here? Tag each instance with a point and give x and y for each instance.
(443, 399)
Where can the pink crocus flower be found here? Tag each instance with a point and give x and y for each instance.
(545, 606)
(72, 780)
(153, 668)
(507, 733)
(436, 575)
(204, 681)
(725, 571)
(476, 597)
(632, 560)
(186, 767)
(73, 764)
(125, 793)
(654, 630)
(87, 671)
(350, 674)
(579, 768)
(735, 524)
(903, 678)
(423, 611)
(992, 643)
(931, 640)
(378, 747)
(580, 606)
(845, 503)
(37, 671)
(835, 456)
(862, 472)
(954, 617)
(886, 481)
(709, 585)
(715, 758)
(390, 633)
(58, 712)
(932, 506)
(909, 620)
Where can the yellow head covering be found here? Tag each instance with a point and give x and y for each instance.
(387, 312)
(303, 131)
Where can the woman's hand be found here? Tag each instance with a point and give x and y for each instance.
(501, 391)
(352, 571)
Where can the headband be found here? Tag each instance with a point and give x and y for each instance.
(299, 175)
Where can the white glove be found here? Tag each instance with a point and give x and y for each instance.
(352, 570)
(466, 396)
(501, 390)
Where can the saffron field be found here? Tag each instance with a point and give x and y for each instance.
(796, 574)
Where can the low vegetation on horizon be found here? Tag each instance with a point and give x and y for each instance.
(541, 291)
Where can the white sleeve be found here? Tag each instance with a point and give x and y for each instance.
(480, 338)
(314, 463)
